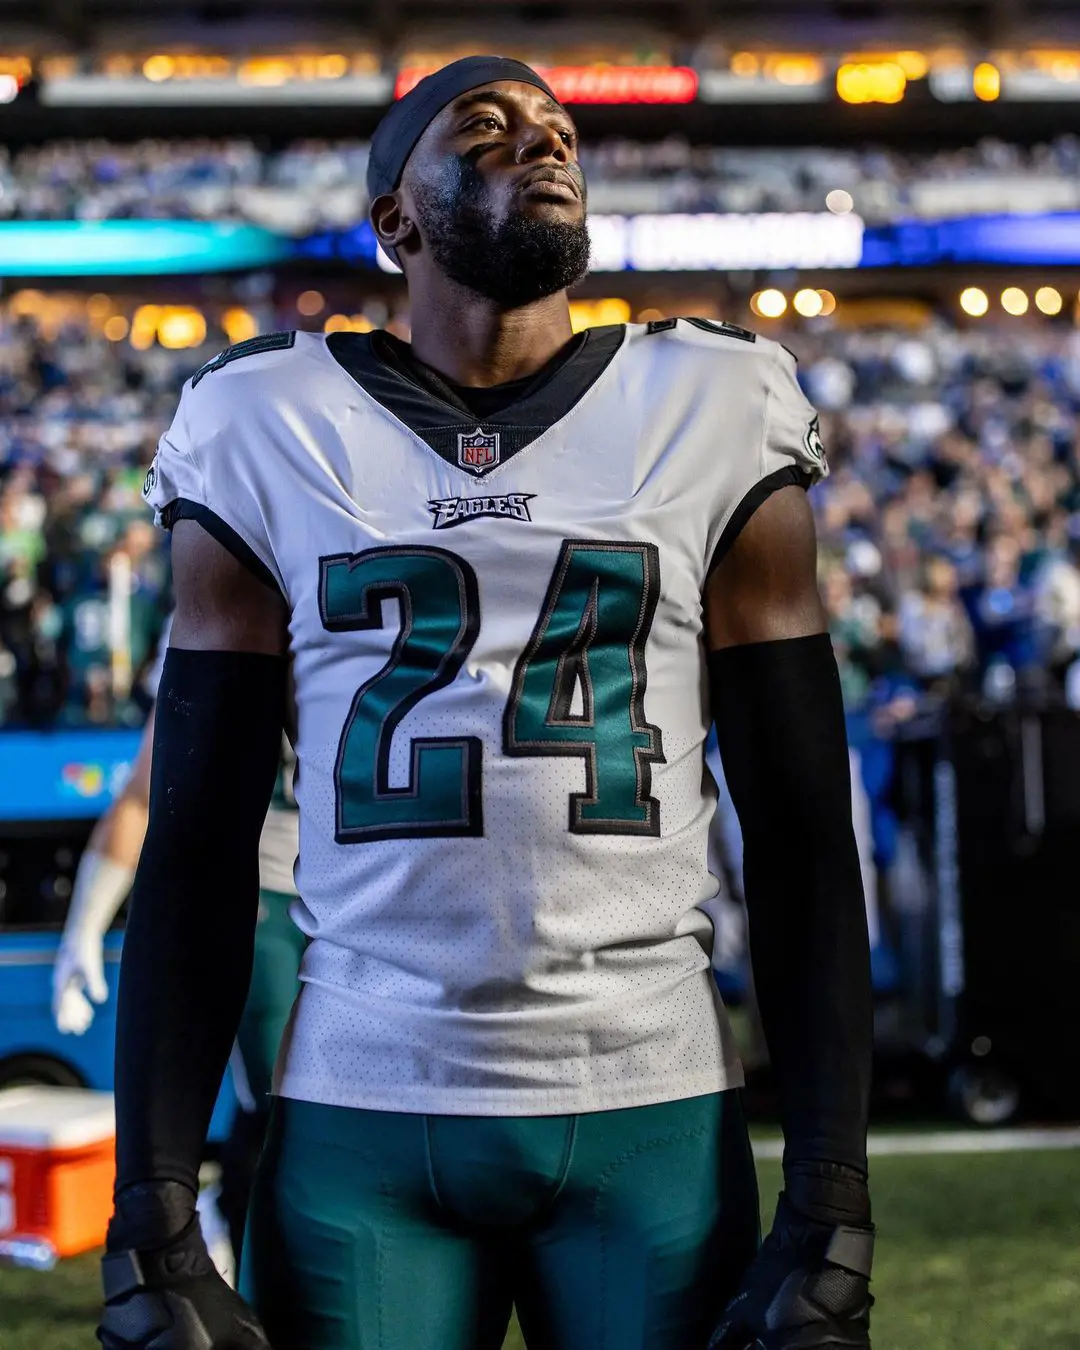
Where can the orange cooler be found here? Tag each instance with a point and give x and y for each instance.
(56, 1167)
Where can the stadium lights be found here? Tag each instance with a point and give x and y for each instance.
(144, 327)
(986, 82)
(1049, 300)
(333, 66)
(239, 324)
(180, 327)
(26, 302)
(345, 323)
(766, 77)
(840, 202)
(871, 82)
(915, 65)
(268, 69)
(769, 304)
(9, 88)
(808, 303)
(19, 68)
(974, 301)
(126, 79)
(174, 326)
(116, 328)
(788, 68)
(158, 68)
(597, 313)
(310, 303)
(794, 69)
(1014, 301)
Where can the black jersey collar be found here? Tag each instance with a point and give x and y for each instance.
(430, 409)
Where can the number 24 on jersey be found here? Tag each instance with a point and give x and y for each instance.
(590, 635)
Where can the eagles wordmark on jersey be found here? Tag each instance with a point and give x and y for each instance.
(503, 804)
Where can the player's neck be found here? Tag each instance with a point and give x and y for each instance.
(470, 341)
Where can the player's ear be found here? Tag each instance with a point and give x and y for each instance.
(392, 226)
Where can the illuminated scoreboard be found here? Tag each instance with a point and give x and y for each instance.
(597, 83)
(627, 70)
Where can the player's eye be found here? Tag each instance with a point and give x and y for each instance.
(568, 137)
(488, 122)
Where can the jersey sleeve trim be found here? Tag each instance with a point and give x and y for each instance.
(182, 508)
(789, 476)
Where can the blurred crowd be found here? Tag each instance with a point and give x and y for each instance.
(949, 526)
(312, 185)
(83, 578)
(882, 185)
(305, 186)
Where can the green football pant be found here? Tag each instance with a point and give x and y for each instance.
(279, 945)
(617, 1230)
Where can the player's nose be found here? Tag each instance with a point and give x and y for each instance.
(537, 141)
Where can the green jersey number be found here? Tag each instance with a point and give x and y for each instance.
(590, 638)
(589, 641)
(440, 617)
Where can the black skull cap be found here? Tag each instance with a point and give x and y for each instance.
(406, 120)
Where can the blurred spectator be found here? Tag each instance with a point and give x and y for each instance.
(936, 638)
(860, 630)
(1003, 614)
(1057, 593)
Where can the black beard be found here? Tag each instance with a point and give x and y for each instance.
(514, 263)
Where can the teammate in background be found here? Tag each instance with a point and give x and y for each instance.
(102, 883)
(518, 573)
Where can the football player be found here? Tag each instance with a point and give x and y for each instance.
(102, 883)
(518, 572)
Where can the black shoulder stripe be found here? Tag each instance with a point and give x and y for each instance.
(181, 508)
(731, 330)
(265, 342)
(789, 476)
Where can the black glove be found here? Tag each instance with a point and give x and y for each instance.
(807, 1289)
(162, 1291)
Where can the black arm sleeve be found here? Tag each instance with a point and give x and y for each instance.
(188, 948)
(780, 725)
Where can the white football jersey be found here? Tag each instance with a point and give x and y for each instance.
(496, 635)
(279, 842)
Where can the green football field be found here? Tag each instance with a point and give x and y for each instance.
(975, 1252)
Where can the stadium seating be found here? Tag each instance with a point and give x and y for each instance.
(312, 185)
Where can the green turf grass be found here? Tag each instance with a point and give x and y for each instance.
(975, 1253)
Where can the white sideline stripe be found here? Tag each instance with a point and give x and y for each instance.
(961, 1141)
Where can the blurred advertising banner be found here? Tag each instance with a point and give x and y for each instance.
(62, 775)
(135, 247)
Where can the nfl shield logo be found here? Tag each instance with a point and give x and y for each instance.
(478, 450)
